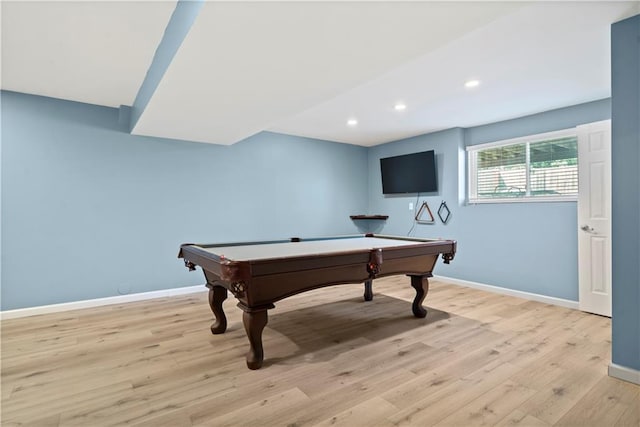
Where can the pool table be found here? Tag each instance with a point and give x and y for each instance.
(261, 273)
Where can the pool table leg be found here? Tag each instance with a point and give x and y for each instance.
(254, 320)
(421, 285)
(368, 290)
(217, 295)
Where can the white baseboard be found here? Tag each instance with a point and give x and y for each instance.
(624, 373)
(121, 299)
(76, 305)
(520, 294)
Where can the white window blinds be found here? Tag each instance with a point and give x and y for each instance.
(538, 167)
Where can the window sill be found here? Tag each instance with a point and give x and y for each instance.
(539, 199)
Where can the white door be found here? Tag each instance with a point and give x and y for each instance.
(594, 217)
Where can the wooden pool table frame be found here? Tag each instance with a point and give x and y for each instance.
(258, 283)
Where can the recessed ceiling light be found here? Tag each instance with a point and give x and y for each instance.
(471, 83)
(352, 122)
(400, 107)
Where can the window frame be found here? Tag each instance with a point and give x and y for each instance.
(472, 150)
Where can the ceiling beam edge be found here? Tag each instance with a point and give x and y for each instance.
(179, 25)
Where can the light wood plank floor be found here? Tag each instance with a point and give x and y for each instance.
(330, 359)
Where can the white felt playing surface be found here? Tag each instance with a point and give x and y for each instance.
(306, 248)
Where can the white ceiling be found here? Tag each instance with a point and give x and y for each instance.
(94, 52)
(304, 68)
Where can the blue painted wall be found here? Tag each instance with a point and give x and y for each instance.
(530, 247)
(90, 211)
(109, 208)
(625, 153)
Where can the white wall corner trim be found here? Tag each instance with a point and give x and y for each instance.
(98, 302)
(624, 373)
(505, 291)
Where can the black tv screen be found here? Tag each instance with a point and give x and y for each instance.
(411, 173)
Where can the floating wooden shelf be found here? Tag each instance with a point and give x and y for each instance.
(369, 216)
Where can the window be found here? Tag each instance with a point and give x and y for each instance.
(535, 168)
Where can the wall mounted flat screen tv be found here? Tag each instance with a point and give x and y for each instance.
(411, 173)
